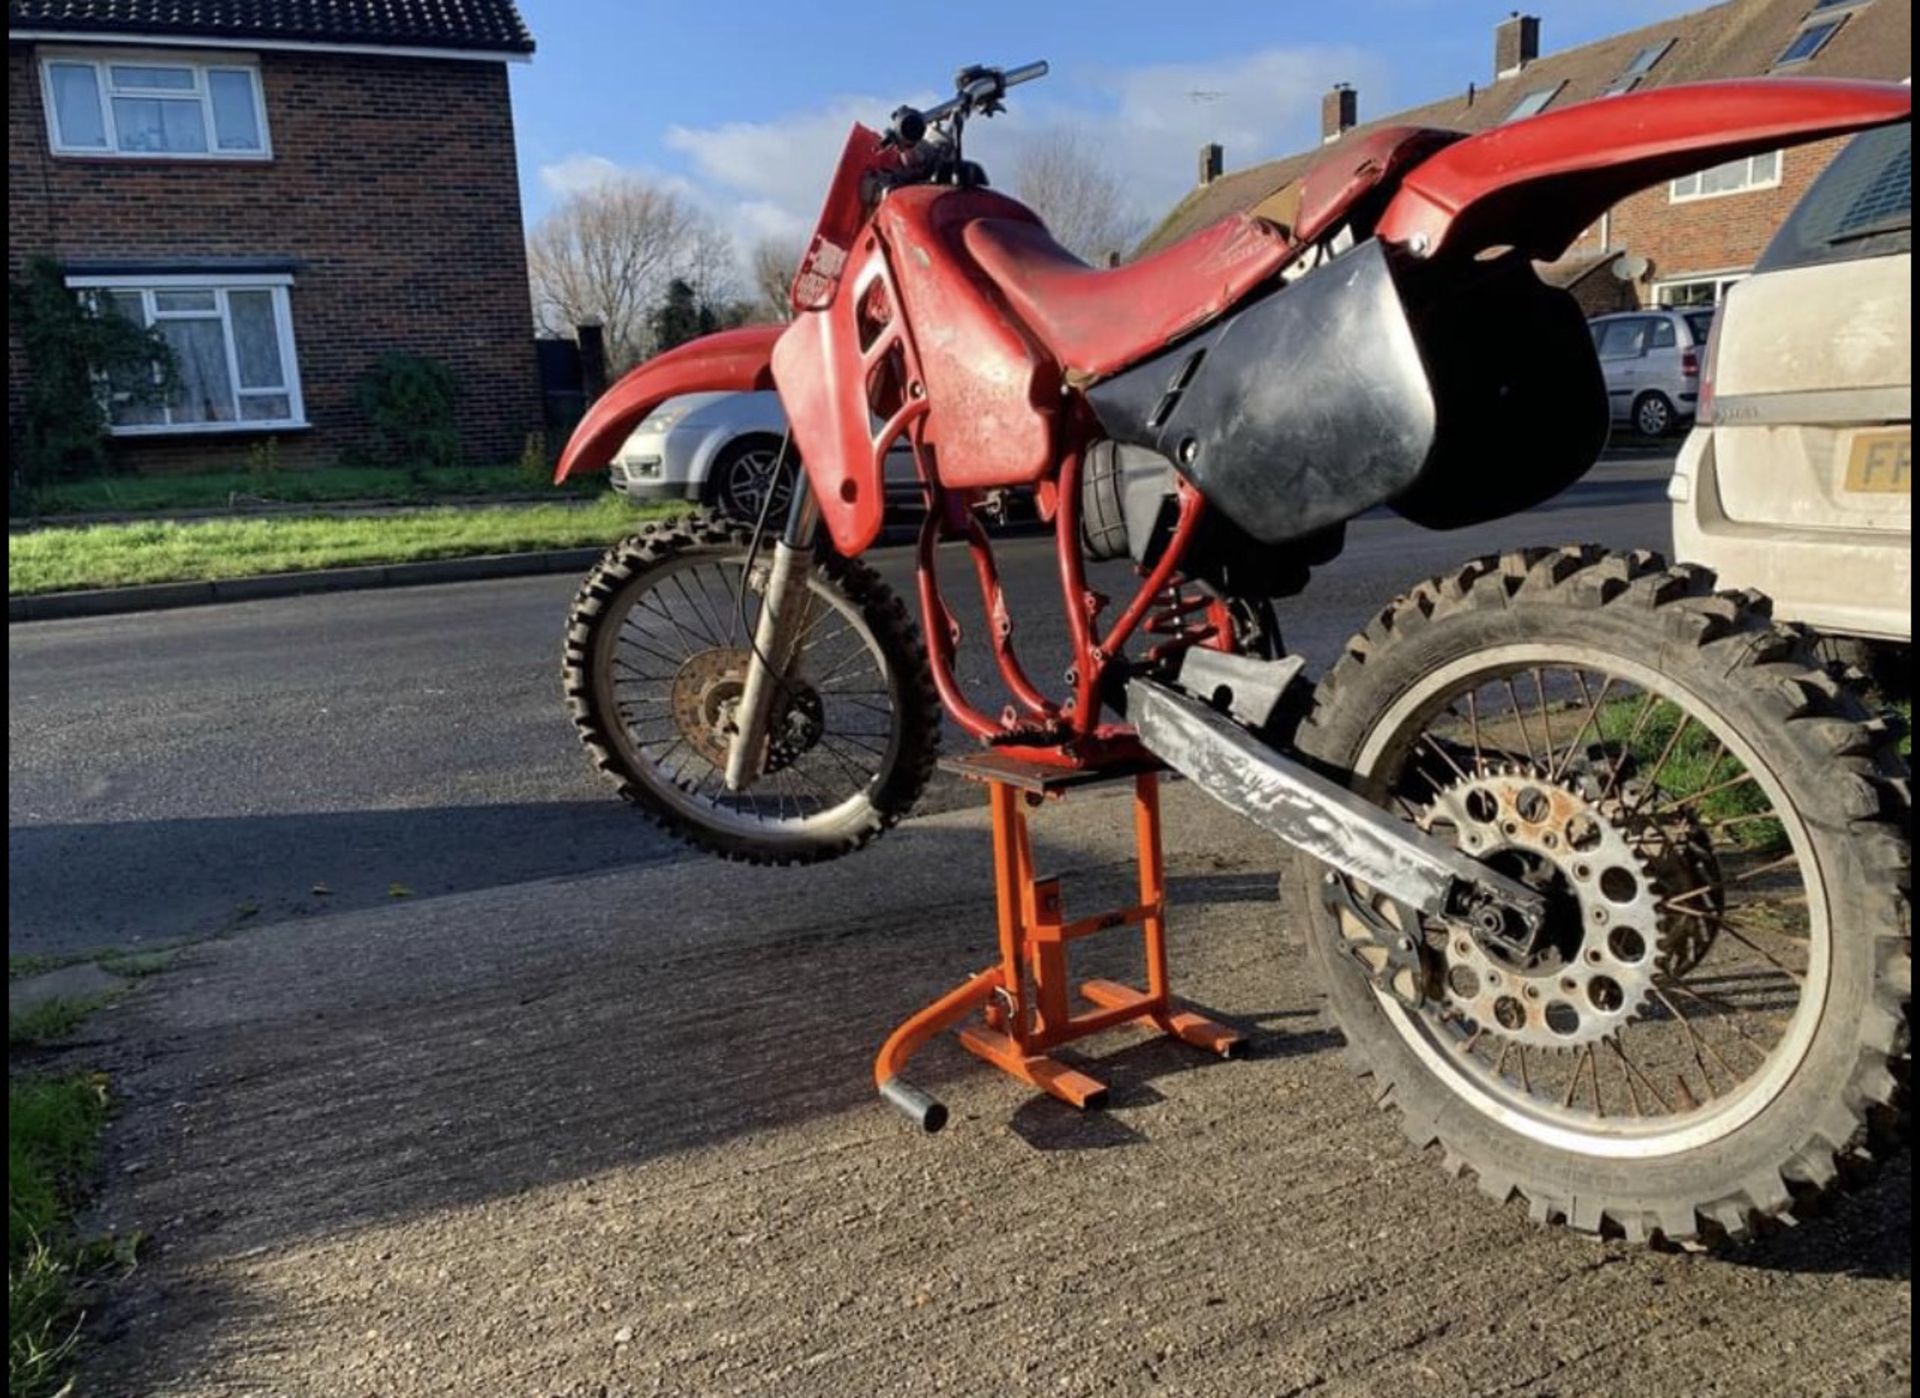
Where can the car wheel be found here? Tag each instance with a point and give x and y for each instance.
(1654, 415)
(745, 473)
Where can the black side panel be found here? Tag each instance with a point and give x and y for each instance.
(1523, 404)
(1299, 411)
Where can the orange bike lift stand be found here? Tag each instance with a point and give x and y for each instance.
(1025, 1002)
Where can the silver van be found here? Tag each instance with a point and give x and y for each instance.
(1651, 360)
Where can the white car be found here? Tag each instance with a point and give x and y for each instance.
(725, 450)
(1798, 477)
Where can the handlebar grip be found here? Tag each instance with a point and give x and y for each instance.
(1026, 73)
(927, 1113)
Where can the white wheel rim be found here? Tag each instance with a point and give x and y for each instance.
(1686, 1132)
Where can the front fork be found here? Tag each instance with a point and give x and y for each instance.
(776, 637)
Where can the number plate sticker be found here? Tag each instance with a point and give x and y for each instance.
(1881, 463)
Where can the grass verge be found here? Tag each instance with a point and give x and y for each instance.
(210, 490)
(124, 555)
(49, 1020)
(53, 1144)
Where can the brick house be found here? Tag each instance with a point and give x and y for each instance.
(1681, 243)
(285, 189)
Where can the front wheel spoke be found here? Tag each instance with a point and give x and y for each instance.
(860, 778)
(650, 606)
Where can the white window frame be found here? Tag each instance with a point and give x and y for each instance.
(1546, 96)
(1720, 281)
(220, 283)
(1827, 22)
(1675, 196)
(102, 61)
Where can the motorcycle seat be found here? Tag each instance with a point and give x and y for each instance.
(1094, 321)
(1098, 320)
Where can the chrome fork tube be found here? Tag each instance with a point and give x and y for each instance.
(776, 636)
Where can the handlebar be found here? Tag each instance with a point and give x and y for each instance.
(979, 89)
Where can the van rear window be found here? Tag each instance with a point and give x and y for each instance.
(1861, 206)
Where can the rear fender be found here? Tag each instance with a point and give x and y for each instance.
(1537, 184)
(733, 361)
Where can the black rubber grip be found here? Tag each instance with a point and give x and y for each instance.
(930, 1114)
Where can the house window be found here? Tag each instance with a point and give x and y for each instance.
(1637, 68)
(1735, 177)
(1809, 41)
(1533, 103)
(1695, 291)
(154, 105)
(232, 343)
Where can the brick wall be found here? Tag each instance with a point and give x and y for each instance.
(392, 188)
(1726, 232)
(1700, 237)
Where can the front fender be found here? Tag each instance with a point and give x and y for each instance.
(1537, 184)
(732, 361)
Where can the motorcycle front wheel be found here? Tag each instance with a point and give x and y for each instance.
(1713, 1024)
(658, 643)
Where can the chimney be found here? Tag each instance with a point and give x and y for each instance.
(1516, 43)
(1339, 112)
(1212, 160)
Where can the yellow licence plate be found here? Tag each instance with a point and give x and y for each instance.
(1881, 463)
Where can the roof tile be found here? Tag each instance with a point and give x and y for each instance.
(1738, 39)
(492, 26)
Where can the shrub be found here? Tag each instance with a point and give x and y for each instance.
(74, 349)
(409, 402)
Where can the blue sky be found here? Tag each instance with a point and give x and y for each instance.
(741, 104)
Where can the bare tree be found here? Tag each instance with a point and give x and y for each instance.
(1086, 205)
(609, 253)
(773, 264)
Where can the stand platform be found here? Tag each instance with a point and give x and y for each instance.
(1025, 1002)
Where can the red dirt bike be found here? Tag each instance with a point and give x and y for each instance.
(1612, 875)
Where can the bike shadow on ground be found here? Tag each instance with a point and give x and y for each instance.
(1132, 1074)
(1866, 1232)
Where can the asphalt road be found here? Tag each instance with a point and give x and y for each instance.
(174, 774)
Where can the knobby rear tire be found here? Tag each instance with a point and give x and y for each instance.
(1843, 775)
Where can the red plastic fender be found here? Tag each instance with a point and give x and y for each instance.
(737, 361)
(1537, 184)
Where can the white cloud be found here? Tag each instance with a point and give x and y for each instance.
(577, 172)
(767, 178)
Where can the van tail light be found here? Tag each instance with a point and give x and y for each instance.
(1703, 406)
(1689, 362)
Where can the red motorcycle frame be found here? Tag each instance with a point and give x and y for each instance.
(942, 313)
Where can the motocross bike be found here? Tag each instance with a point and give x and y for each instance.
(1609, 875)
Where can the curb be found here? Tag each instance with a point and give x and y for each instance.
(113, 601)
(277, 508)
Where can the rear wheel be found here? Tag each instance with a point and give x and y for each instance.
(1715, 1021)
(658, 644)
(1654, 415)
